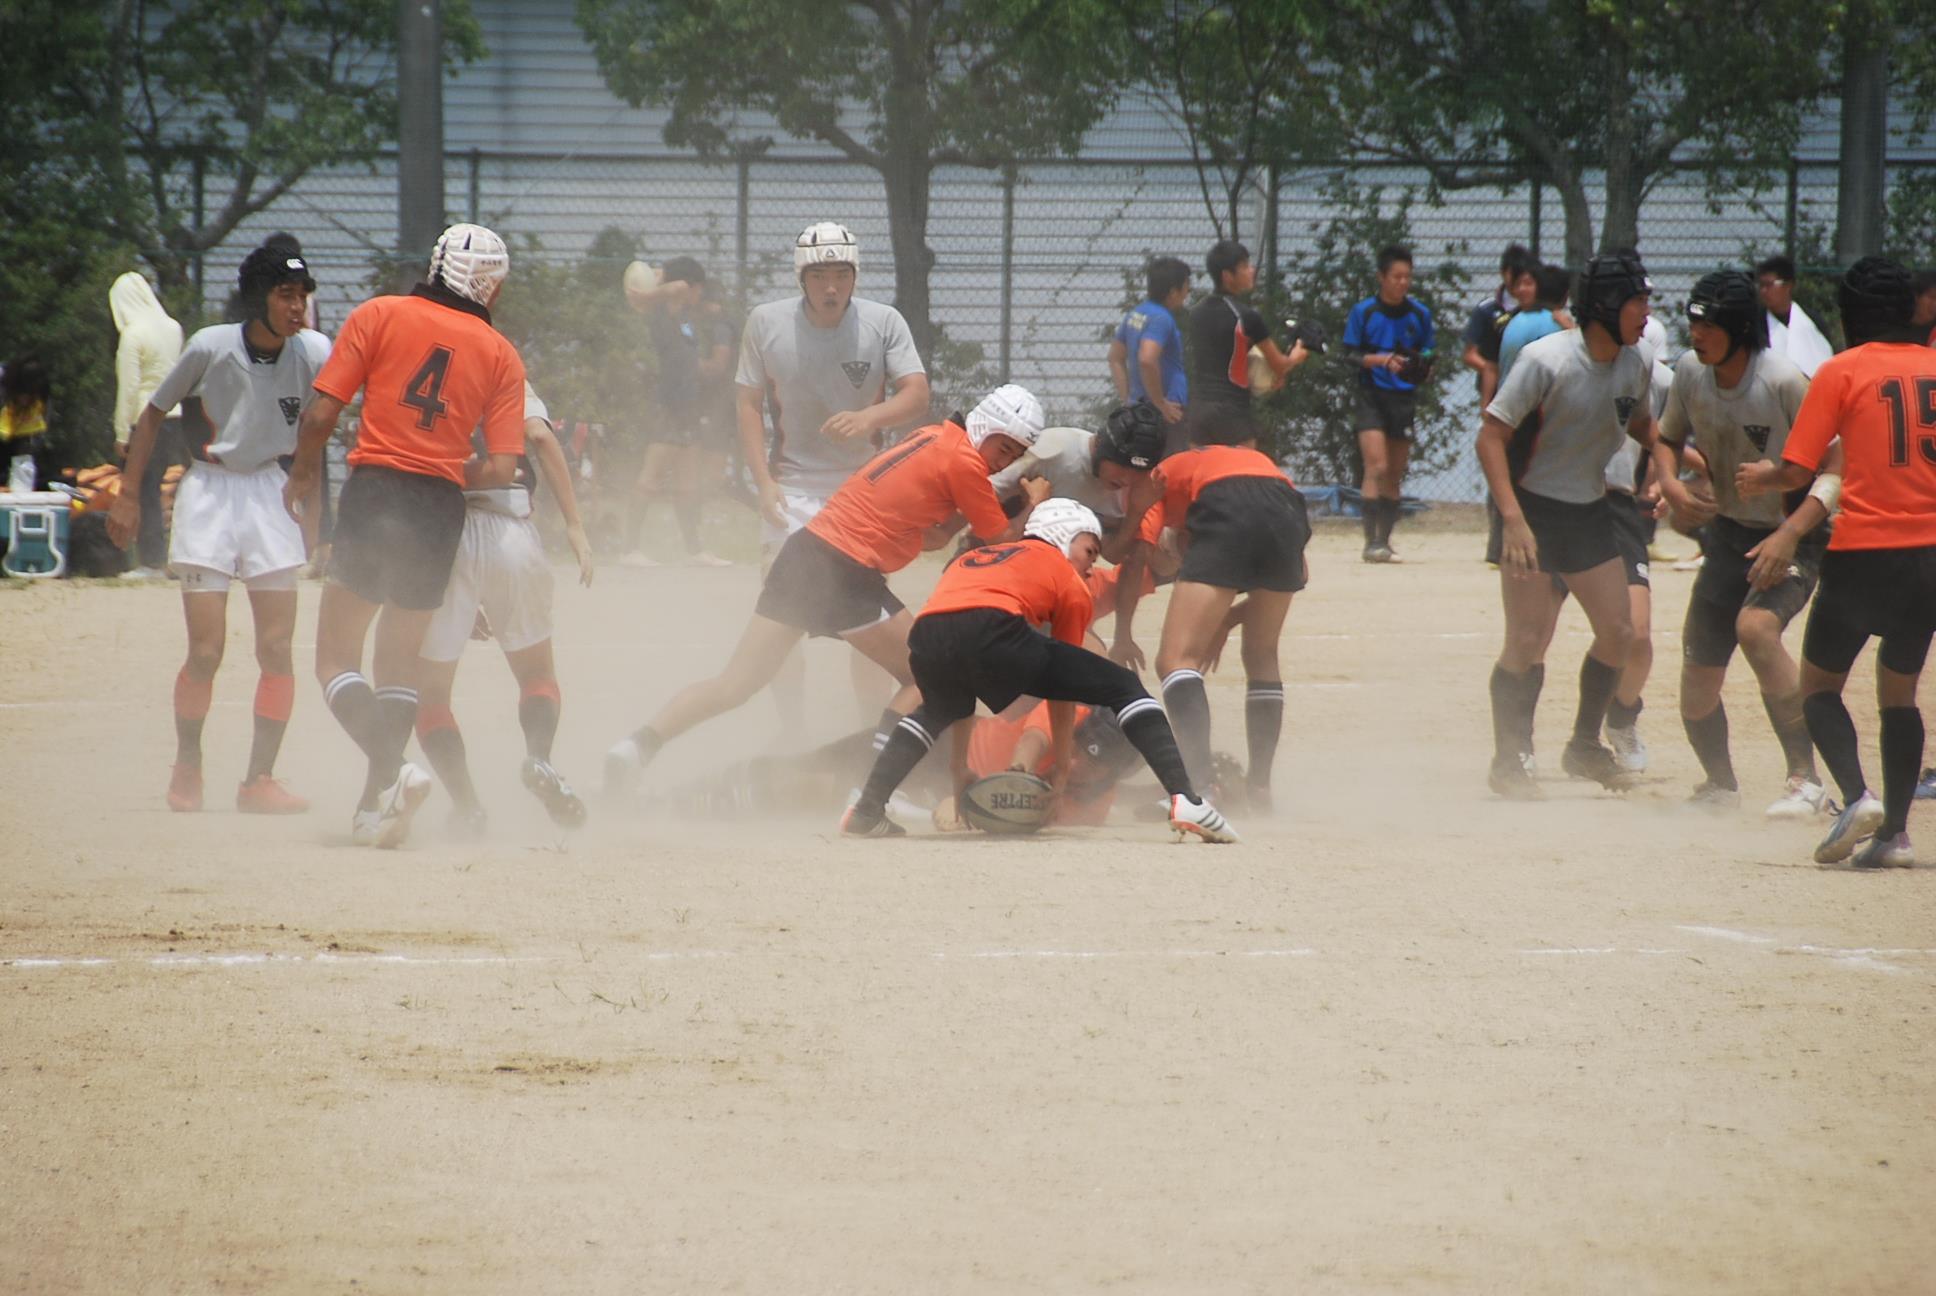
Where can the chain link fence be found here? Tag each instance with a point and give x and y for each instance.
(1032, 268)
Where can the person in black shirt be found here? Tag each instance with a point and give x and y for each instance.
(1223, 329)
(1518, 284)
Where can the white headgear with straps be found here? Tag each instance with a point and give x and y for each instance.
(471, 261)
(1011, 410)
(1060, 521)
(825, 243)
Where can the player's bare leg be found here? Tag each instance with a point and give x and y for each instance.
(1705, 718)
(701, 471)
(377, 716)
(1602, 592)
(763, 648)
(539, 704)
(1190, 627)
(443, 745)
(1373, 453)
(1759, 633)
(1264, 613)
(206, 615)
(261, 792)
(885, 645)
(654, 484)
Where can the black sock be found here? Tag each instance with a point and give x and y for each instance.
(1708, 735)
(1902, 760)
(884, 727)
(188, 739)
(911, 740)
(353, 702)
(1368, 514)
(1387, 520)
(1263, 723)
(648, 741)
(1513, 699)
(1188, 706)
(1597, 683)
(1149, 731)
(1622, 716)
(396, 716)
(444, 746)
(1785, 714)
(1529, 706)
(266, 747)
(538, 717)
(685, 508)
(1830, 725)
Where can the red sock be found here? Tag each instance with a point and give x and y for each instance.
(275, 696)
(431, 718)
(192, 696)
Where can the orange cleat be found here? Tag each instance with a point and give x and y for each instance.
(185, 788)
(266, 795)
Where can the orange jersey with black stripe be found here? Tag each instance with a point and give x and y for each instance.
(1183, 476)
(1880, 399)
(1030, 578)
(431, 369)
(991, 749)
(879, 515)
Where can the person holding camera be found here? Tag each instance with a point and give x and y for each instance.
(1390, 337)
(1223, 330)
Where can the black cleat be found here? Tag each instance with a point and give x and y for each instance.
(560, 802)
(1594, 762)
(869, 823)
(1513, 781)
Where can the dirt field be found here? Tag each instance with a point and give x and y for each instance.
(1403, 1039)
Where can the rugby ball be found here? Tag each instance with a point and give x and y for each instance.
(640, 277)
(1008, 802)
(1262, 381)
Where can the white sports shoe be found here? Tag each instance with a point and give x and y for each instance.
(1804, 799)
(398, 805)
(364, 825)
(1628, 750)
(1201, 818)
(622, 769)
(1886, 852)
(1860, 820)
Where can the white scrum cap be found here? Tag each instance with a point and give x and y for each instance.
(825, 243)
(1011, 410)
(1060, 521)
(471, 261)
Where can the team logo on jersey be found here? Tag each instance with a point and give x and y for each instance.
(291, 408)
(1623, 406)
(857, 370)
(1758, 433)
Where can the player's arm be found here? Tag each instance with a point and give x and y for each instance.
(1149, 362)
(124, 515)
(908, 405)
(549, 458)
(1119, 368)
(1062, 743)
(1124, 650)
(1776, 553)
(312, 434)
(493, 471)
(749, 409)
(1518, 552)
(1143, 495)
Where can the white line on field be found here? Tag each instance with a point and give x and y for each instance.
(252, 960)
(1601, 949)
(1126, 954)
(1726, 933)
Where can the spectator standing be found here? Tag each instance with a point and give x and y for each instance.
(1223, 329)
(1517, 286)
(150, 344)
(1389, 335)
(691, 362)
(1791, 332)
(1146, 354)
(24, 392)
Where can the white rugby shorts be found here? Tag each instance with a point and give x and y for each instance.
(501, 567)
(232, 525)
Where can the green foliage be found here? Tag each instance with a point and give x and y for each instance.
(588, 354)
(1912, 218)
(1310, 417)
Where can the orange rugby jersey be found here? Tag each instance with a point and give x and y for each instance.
(1881, 400)
(430, 372)
(878, 515)
(1030, 578)
(1183, 476)
(991, 749)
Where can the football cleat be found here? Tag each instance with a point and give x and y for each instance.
(1628, 749)
(364, 826)
(1592, 761)
(869, 823)
(185, 788)
(1803, 799)
(1885, 852)
(622, 769)
(397, 806)
(264, 794)
(1199, 818)
(1862, 817)
(1712, 796)
(1512, 780)
(560, 802)
(1926, 786)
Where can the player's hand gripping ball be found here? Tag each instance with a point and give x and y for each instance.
(640, 277)
(1263, 382)
(1008, 802)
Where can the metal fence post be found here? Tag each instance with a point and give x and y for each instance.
(477, 163)
(1008, 262)
(1793, 213)
(199, 169)
(740, 216)
(1271, 180)
(1533, 216)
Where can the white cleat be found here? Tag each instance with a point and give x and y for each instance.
(622, 769)
(398, 805)
(1804, 799)
(364, 825)
(1860, 820)
(1628, 750)
(1200, 818)
(1886, 852)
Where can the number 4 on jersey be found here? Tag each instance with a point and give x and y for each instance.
(424, 392)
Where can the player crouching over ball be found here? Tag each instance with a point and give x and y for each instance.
(1010, 759)
(975, 641)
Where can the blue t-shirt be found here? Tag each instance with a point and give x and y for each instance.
(1525, 327)
(1374, 327)
(1151, 320)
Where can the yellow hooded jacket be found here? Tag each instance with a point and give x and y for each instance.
(151, 342)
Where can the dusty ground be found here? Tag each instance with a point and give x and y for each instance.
(1404, 1039)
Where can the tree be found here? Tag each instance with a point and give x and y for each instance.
(1498, 92)
(899, 86)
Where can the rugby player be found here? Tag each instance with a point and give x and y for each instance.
(431, 368)
(253, 381)
(1389, 336)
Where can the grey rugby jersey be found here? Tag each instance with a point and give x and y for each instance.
(1584, 407)
(1740, 425)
